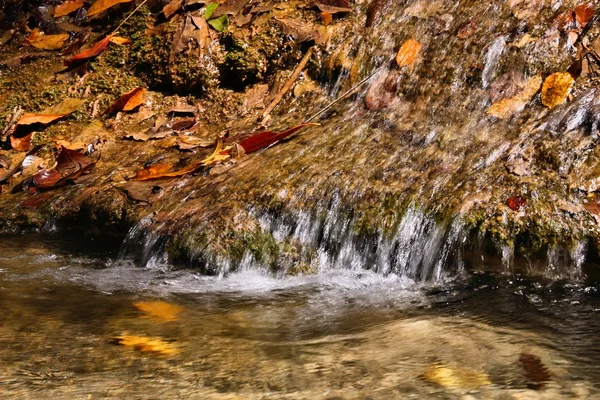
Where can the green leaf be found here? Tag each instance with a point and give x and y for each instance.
(219, 24)
(210, 9)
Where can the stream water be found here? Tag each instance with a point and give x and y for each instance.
(339, 334)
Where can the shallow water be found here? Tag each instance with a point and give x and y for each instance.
(336, 335)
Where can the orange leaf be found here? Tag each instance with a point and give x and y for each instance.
(119, 40)
(28, 119)
(408, 52)
(127, 102)
(326, 17)
(159, 310)
(556, 88)
(102, 5)
(583, 14)
(48, 42)
(67, 7)
(93, 51)
(22, 143)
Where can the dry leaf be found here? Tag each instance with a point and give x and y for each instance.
(93, 51)
(148, 345)
(127, 102)
(556, 88)
(102, 5)
(453, 377)
(408, 52)
(300, 30)
(67, 7)
(119, 40)
(333, 6)
(507, 107)
(583, 14)
(159, 310)
(171, 8)
(326, 17)
(49, 42)
(22, 143)
(44, 119)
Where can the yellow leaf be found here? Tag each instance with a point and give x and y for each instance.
(556, 88)
(119, 40)
(102, 5)
(453, 377)
(506, 107)
(408, 52)
(159, 309)
(67, 7)
(49, 42)
(148, 345)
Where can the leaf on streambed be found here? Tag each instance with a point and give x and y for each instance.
(67, 7)
(584, 14)
(21, 143)
(556, 88)
(92, 52)
(35, 202)
(127, 102)
(20, 59)
(535, 371)
(148, 345)
(382, 91)
(574, 20)
(70, 165)
(120, 40)
(158, 171)
(516, 202)
(47, 42)
(333, 6)
(159, 310)
(452, 377)
(504, 108)
(16, 162)
(300, 30)
(49, 115)
(408, 52)
(326, 17)
(171, 8)
(267, 138)
(103, 5)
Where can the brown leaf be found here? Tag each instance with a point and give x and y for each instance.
(408, 52)
(15, 165)
(229, 7)
(20, 59)
(171, 8)
(556, 88)
(67, 7)
(535, 371)
(35, 202)
(102, 5)
(28, 119)
(93, 51)
(22, 143)
(583, 14)
(183, 124)
(300, 30)
(119, 40)
(267, 138)
(504, 108)
(516, 202)
(70, 164)
(375, 11)
(49, 42)
(467, 30)
(333, 6)
(127, 102)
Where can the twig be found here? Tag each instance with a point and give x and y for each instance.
(288, 84)
(129, 16)
(16, 114)
(343, 96)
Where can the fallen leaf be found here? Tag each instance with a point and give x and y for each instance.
(535, 371)
(300, 30)
(49, 42)
(584, 14)
(504, 108)
(92, 52)
(183, 124)
(35, 202)
(68, 106)
(159, 310)
(51, 114)
(556, 88)
(127, 102)
(28, 119)
(16, 163)
(326, 17)
(22, 143)
(148, 345)
(67, 7)
(453, 377)
(219, 24)
(408, 52)
(119, 40)
(333, 6)
(70, 165)
(171, 8)
(267, 138)
(467, 30)
(210, 9)
(102, 5)
(20, 59)
(516, 202)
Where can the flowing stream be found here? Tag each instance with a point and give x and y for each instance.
(340, 334)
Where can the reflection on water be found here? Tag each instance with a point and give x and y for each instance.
(85, 328)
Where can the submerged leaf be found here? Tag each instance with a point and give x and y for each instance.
(556, 88)
(49, 42)
(102, 5)
(70, 164)
(267, 138)
(504, 108)
(67, 7)
(148, 345)
(535, 371)
(408, 52)
(159, 309)
(453, 377)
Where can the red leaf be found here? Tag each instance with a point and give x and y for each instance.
(34, 202)
(535, 371)
(70, 164)
(516, 202)
(584, 13)
(267, 138)
(93, 51)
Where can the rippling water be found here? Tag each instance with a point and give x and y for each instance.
(339, 334)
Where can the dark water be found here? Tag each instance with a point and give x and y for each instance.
(76, 325)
